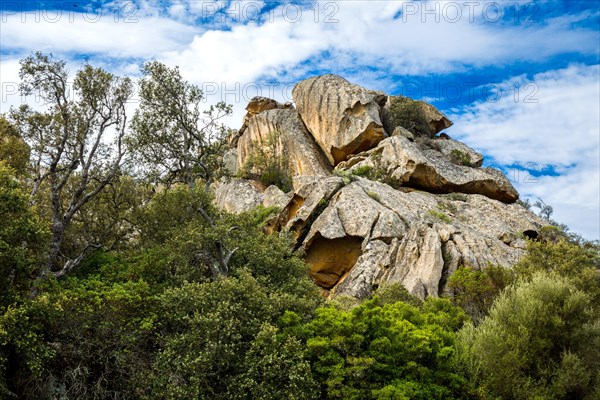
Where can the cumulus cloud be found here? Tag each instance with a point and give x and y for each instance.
(556, 130)
(227, 45)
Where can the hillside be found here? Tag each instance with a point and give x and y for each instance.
(379, 193)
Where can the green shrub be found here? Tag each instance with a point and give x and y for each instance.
(217, 342)
(345, 175)
(540, 341)
(578, 262)
(440, 216)
(390, 293)
(475, 290)
(408, 114)
(460, 158)
(375, 351)
(448, 206)
(365, 171)
(268, 163)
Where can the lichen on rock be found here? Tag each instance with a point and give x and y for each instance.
(408, 208)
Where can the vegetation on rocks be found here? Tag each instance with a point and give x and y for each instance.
(125, 283)
(408, 114)
(268, 164)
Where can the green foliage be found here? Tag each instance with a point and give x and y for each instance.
(174, 138)
(22, 239)
(268, 163)
(385, 351)
(439, 216)
(540, 341)
(460, 158)
(84, 339)
(364, 171)
(214, 338)
(375, 174)
(408, 114)
(275, 368)
(373, 195)
(475, 290)
(14, 152)
(345, 175)
(578, 262)
(76, 144)
(390, 293)
(448, 206)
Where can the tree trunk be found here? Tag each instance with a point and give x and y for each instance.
(58, 230)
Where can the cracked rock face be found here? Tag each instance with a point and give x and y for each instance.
(426, 208)
(406, 164)
(291, 140)
(416, 238)
(256, 105)
(342, 117)
(240, 195)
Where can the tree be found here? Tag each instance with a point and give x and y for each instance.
(71, 141)
(580, 262)
(22, 238)
(409, 114)
(390, 351)
(546, 210)
(476, 290)
(216, 342)
(540, 341)
(13, 150)
(173, 137)
(267, 163)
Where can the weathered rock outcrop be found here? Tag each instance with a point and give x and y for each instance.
(406, 164)
(415, 238)
(343, 118)
(284, 132)
(256, 105)
(456, 151)
(422, 206)
(240, 195)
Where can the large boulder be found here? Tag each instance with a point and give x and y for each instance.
(370, 234)
(414, 115)
(342, 117)
(281, 131)
(255, 106)
(240, 195)
(409, 208)
(406, 164)
(457, 152)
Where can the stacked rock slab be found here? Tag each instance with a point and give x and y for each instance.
(405, 163)
(426, 208)
(342, 117)
(413, 237)
(293, 142)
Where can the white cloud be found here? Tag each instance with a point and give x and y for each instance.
(561, 130)
(121, 34)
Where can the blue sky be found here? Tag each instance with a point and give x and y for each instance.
(520, 79)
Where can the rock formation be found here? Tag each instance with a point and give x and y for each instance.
(342, 117)
(402, 204)
(405, 163)
(284, 132)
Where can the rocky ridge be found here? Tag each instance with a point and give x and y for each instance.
(403, 204)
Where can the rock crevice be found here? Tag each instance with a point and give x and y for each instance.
(408, 206)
